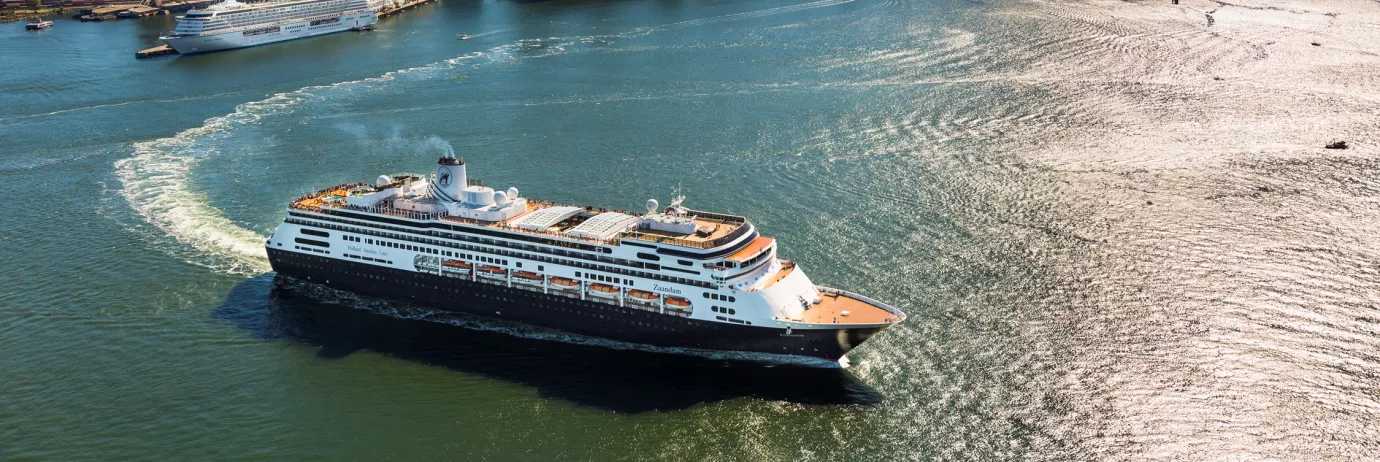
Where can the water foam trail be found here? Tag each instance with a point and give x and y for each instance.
(485, 34)
(156, 180)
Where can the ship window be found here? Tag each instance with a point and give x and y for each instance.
(541, 268)
(519, 264)
(315, 232)
(312, 242)
(577, 274)
(648, 256)
(732, 299)
(684, 262)
(706, 295)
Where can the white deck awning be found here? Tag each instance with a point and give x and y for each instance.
(541, 219)
(603, 226)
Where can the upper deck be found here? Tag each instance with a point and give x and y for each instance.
(577, 223)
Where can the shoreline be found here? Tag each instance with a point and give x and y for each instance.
(8, 15)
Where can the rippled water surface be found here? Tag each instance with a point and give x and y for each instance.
(1113, 225)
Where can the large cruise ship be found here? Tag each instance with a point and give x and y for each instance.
(673, 277)
(231, 24)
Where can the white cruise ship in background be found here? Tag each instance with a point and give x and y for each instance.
(232, 24)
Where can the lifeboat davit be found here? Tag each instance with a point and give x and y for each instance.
(493, 272)
(643, 295)
(677, 302)
(603, 290)
(564, 283)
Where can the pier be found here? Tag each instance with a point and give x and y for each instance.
(112, 11)
(387, 11)
(161, 50)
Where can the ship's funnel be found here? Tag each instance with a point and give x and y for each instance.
(450, 178)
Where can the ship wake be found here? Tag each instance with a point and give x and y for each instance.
(157, 181)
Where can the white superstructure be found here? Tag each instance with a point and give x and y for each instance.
(231, 24)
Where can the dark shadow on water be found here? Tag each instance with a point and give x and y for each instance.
(625, 381)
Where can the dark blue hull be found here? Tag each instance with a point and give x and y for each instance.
(584, 317)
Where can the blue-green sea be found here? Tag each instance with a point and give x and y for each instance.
(1113, 225)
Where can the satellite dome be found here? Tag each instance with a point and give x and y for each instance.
(651, 205)
(384, 180)
(500, 198)
(512, 193)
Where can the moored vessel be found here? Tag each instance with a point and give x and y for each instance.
(231, 24)
(672, 276)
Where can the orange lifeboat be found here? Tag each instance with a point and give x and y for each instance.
(677, 302)
(603, 290)
(643, 295)
(527, 277)
(456, 264)
(563, 283)
(493, 272)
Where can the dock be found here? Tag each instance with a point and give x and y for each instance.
(387, 11)
(122, 10)
(160, 50)
(137, 11)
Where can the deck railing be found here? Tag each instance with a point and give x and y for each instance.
(832, 291)
(683, 242)
(386, 209)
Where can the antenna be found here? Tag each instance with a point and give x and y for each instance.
(676, 197)
(675, 209)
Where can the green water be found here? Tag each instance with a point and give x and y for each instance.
(1112, 225)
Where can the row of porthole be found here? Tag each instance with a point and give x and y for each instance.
(312, 249)
(558, 308)
(597, 277)
(739, 321)
(481, 295)
(599, 306)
